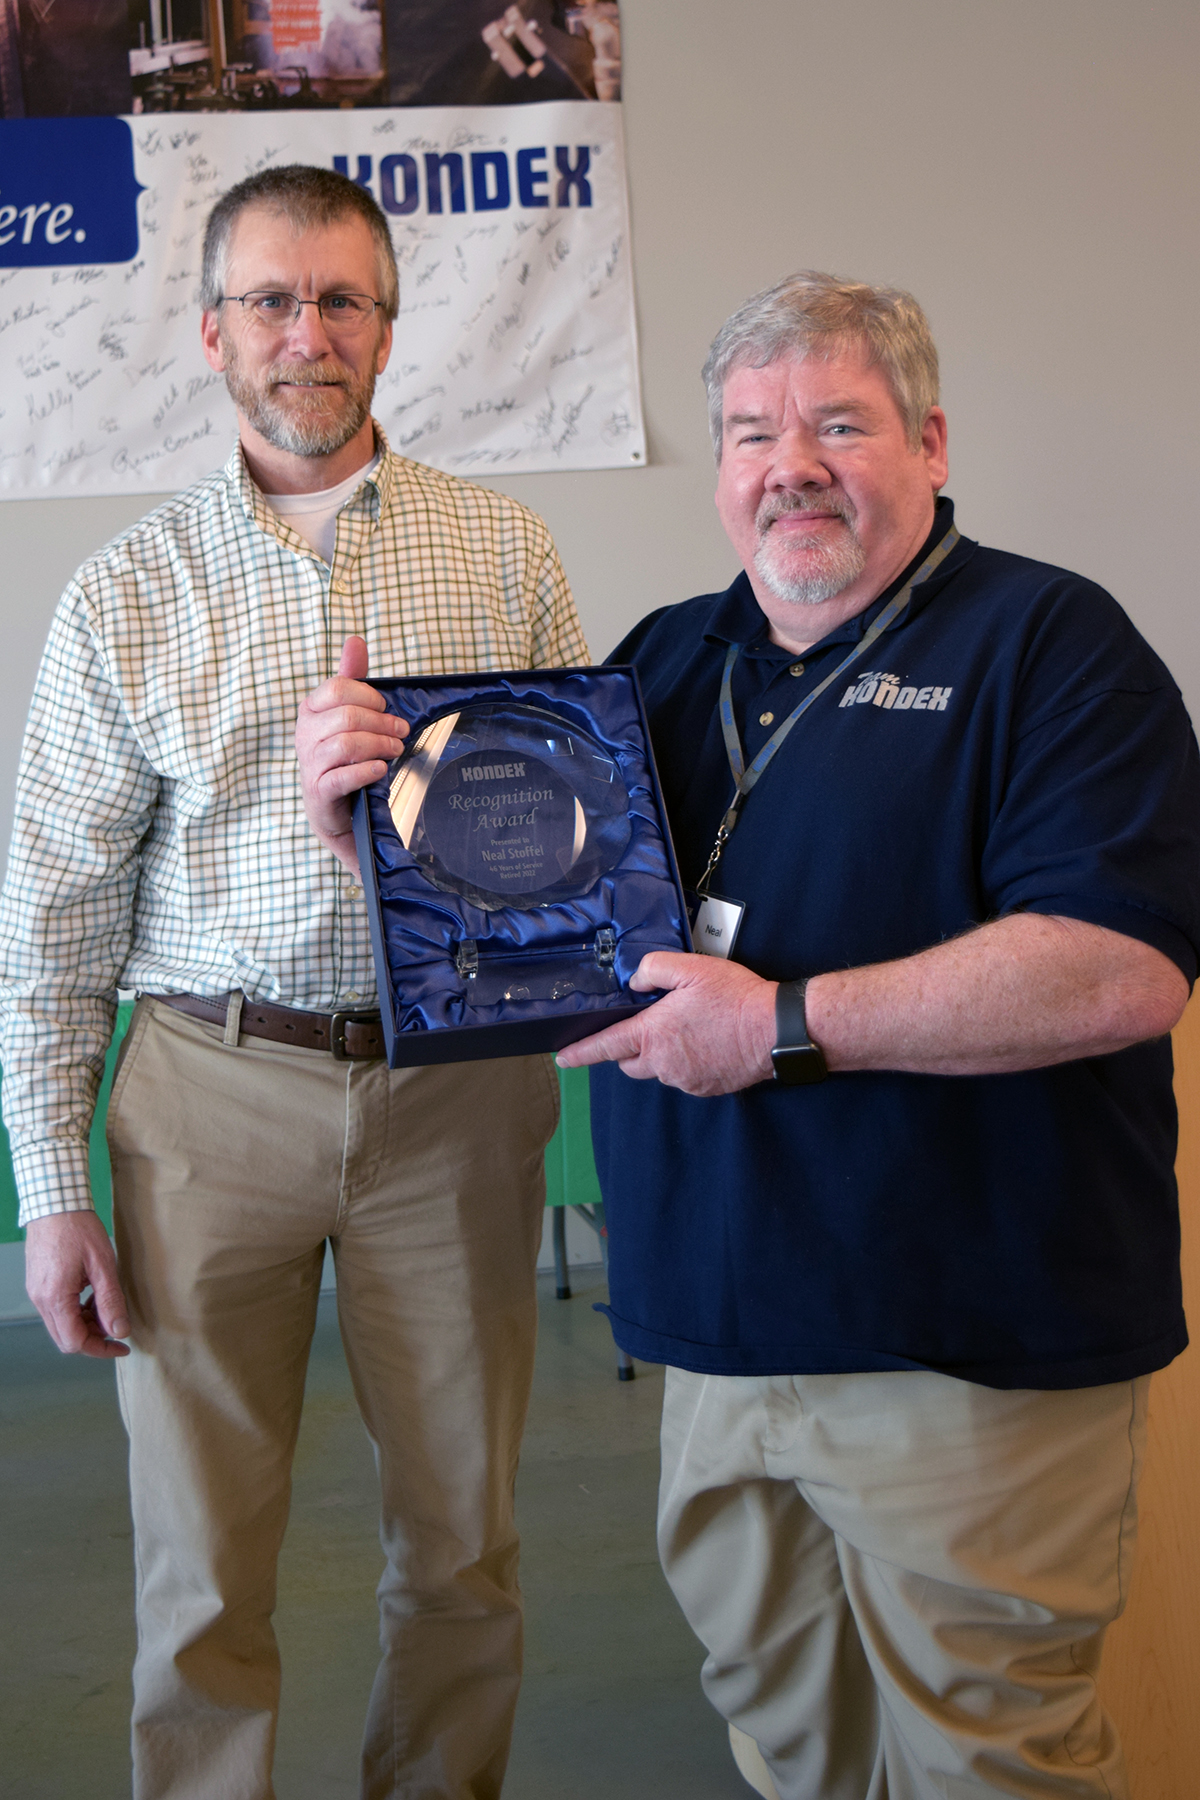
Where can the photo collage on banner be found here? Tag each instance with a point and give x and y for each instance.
(491, 137)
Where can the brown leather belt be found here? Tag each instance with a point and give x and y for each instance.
(348, 1036)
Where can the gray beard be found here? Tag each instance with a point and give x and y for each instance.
(837, 566)
(320, 434)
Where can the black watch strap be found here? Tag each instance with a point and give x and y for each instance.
(797, 1061)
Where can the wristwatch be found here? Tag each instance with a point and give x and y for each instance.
(798, 1062)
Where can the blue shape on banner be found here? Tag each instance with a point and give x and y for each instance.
(68, 193)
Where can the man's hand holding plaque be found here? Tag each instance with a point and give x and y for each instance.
(345, 737)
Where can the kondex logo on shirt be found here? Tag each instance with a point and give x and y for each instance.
(878, 689)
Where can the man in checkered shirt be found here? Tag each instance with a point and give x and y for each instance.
(161, 845)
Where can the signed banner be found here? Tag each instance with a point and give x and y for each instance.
(515, 345)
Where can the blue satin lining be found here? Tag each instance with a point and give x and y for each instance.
(422, 927)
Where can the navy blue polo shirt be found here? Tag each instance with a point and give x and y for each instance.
(1010, 743)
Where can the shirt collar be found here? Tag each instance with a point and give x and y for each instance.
(380, 482)
(383, 480)
(737, 618)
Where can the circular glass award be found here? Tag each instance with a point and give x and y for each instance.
(509, 806)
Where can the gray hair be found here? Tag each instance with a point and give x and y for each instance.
(305, 196)
(823, 314)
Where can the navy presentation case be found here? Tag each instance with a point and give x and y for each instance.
(465, 974)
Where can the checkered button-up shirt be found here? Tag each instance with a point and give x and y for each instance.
(160, 841)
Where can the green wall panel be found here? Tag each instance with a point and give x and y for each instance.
(570, 1170)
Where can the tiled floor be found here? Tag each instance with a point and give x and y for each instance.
(611, 1708)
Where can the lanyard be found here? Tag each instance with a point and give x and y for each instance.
(744, 779)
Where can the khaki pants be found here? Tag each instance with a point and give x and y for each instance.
(903, 1580)
(231, 1167)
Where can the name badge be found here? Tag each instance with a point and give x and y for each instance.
(715, 926)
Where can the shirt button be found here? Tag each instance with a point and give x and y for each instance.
(766, 718)
(354, 994)
(340, 587)
(796, 669)
(352, 893)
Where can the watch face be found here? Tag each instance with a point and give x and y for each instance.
(509, 806)
(798, 1065)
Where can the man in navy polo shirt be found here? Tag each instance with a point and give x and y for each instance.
(891, 1188)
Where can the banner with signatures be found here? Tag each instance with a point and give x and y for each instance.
(515, 346)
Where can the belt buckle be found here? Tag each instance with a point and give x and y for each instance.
(338, 1022)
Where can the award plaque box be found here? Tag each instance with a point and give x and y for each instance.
(516, 862)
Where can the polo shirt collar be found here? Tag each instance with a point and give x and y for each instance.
(737, 618)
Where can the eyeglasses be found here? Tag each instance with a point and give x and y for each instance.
(342, 314)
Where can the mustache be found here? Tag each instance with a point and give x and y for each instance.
(821, 505)
(322, 374)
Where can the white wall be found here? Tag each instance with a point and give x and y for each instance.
(1027, 169)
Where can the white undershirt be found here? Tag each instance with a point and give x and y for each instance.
(314, 516)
